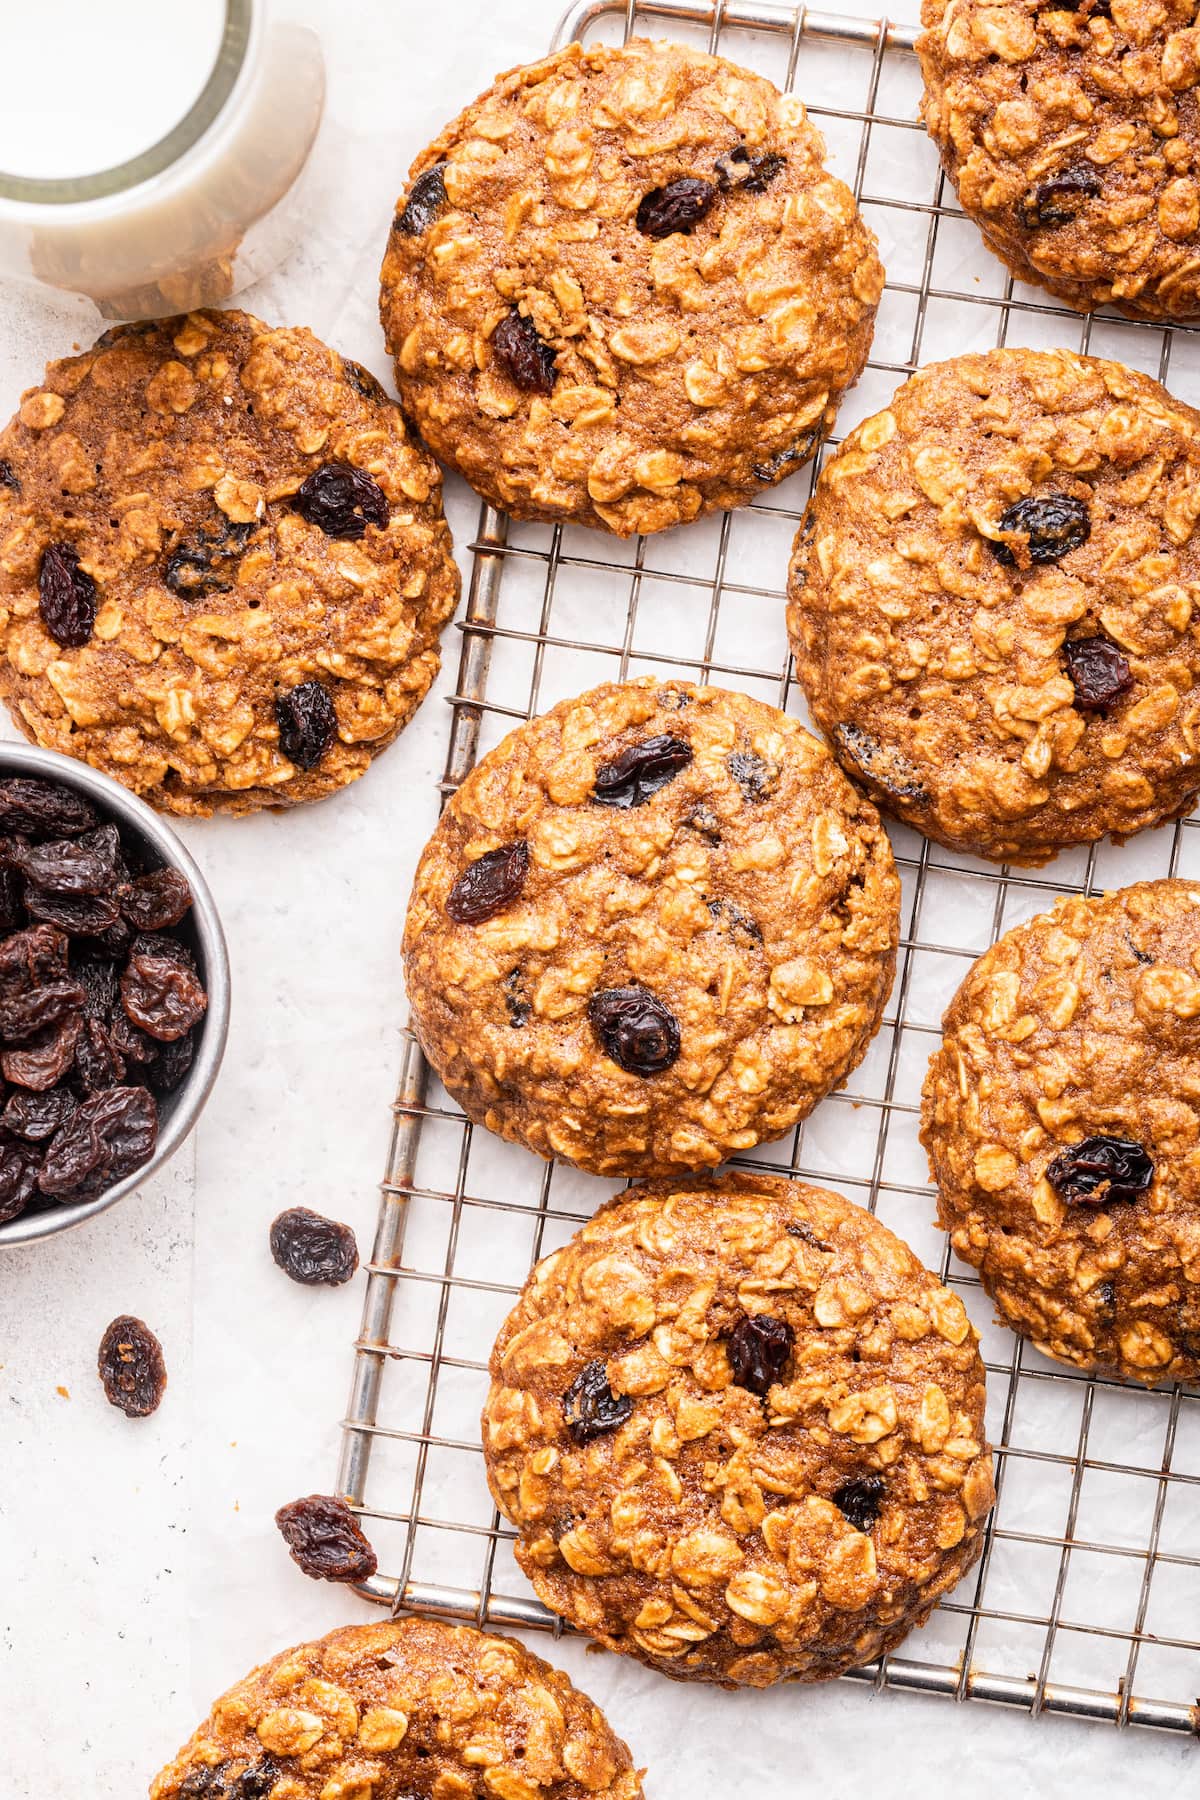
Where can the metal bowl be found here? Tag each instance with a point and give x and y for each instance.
(202, 931)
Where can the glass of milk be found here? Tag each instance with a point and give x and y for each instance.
(150, 150)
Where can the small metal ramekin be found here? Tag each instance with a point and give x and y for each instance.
(179, 1111)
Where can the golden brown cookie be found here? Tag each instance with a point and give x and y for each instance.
(653, 927)
(739, 1429)
(622, 289)
(223, 564)
(398, 1710)
(991, 603)
(1062, 1119)
(1072, 135)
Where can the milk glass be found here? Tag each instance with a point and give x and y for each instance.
(151, 151)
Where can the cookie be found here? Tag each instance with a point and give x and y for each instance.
(740, 1431)
(1072, 135)
(1062, 1118)
(621, 288)
(991, 603)
(653, 927)
(400, 1709)
(223, 564)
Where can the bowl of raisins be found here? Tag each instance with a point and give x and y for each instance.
(114, 992)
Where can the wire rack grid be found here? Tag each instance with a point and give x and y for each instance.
(1086, 1598)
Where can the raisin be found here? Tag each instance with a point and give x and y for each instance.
(155, 900)
(36, 1117)
(1105, 1296)
(1058, 201)
(106, 1138)
(758, 1349)
(525, 359)
(312, 1249)
(36, 989)
(489, 885)
(12, 904)
(1101, 1169)
(640, 771)
(704, 820)
(635, 1028)
(98, 1062)
(166, 1068)
(66, 597)
(88, 865)
(1099, 672)
(800, 1228)
(255, 1781)
(727, 911)
(131, 1367)
(132, 1043)
(44, 1059)
(426, 198)
(878, 766)
(679, 206)
(755, 775)
(307, 721)
(341, 500)
(362, 380)
(8, 477)
(738, 168)
(160, 990)
(1054, 524)
(207, 562)
(790, 457)
(325, 1539)
(19, 1163)
(30, 805)
(515, 1003)
(99, 979)
(82, 915)
(590, 1407)
(861, 1501)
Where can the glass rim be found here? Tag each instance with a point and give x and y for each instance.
(101, 184)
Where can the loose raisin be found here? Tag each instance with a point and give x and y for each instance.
(426, 198)
(341, 500)
(640, 771)
(66, 597)
(590, 1408)
(861, 1501)
(1058, 201)
(635, 1028)
(132, 1368)
(758, 1349)
(879, 766)
(488, 885)
(1053, 524)
(679, 206)
(757, 776)
(1098, 672)
(156, 900)
(30, 805)
(160, 990)
(307, 721)
(525, 359)
(312, 1249)
(325, 1539)
(738, 168)
(1100, 1169)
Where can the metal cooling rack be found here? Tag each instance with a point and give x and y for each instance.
(1086, 1598)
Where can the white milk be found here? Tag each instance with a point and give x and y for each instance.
(89, 84)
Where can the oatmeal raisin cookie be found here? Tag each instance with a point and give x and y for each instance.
(399, 1709)
(1072, 134)
(1062, 1119)
(653, 927)
(739, 1429)
(992, 603)
(622, 289)
(223, 564)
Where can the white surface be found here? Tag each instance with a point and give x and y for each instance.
(140, 1569)
(120, 81)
